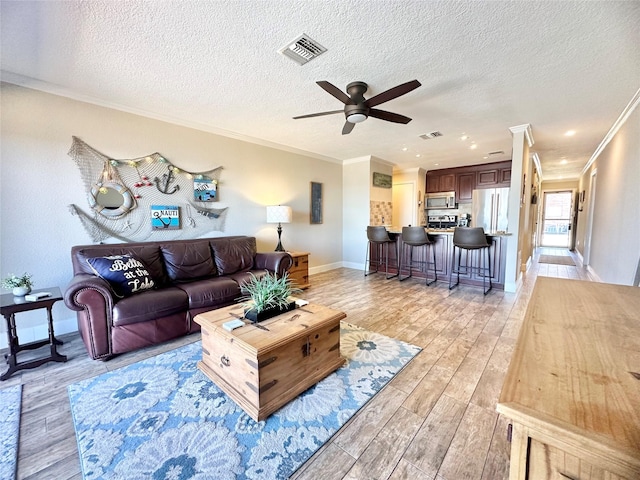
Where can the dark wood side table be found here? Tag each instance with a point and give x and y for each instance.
(9, 306)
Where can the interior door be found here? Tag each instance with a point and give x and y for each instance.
(404, 204)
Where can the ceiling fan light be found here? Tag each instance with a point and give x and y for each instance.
(356, 118)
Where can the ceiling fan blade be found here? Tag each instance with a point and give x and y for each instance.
(392, 93)
(348, 126)
(318, 114)
(336, 92)
(388, 116)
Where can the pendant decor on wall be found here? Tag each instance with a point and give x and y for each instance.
(123, 193)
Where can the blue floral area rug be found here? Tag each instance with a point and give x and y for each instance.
(10, 402)
(162, 418)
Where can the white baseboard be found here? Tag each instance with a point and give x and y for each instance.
(325, 268)
(353, 265)
(41, 332)
(593, 274)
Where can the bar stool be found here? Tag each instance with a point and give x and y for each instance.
(417, 237)
(379, 238)
(471, 238)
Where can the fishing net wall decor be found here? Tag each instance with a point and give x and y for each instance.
(143, 182)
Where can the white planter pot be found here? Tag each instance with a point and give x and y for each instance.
(21, 291)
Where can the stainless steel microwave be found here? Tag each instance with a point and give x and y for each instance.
(440, 200)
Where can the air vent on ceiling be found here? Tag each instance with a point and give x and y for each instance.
(497, 152)
(302, 49)
(427, 136)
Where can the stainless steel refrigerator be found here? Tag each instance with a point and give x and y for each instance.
(490, 207)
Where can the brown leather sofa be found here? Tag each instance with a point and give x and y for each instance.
(189, 277)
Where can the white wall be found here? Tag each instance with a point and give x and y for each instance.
(355, 192)
(39, 180)
(615, 243)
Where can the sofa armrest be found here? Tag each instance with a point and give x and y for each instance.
(278, 262)
(92, 298)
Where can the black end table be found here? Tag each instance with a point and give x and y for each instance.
(9, 306)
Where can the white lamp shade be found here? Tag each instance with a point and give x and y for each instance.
(279, 214)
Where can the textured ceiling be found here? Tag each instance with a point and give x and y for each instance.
(484, 67)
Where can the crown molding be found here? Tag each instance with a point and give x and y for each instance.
(536, 162)
(628, 110)
(526, 128)
(46, 87)
(351, 161)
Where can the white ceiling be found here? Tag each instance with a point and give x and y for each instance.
(484, 67)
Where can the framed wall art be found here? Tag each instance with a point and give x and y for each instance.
(165, 217)
(316, 203)
(382, 180)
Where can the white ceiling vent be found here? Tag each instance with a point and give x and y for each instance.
(427, 136)
(302, 49)
(497, 152)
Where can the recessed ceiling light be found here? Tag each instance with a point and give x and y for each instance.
(473, 147)
(436, 164)
(464, 137)
(404, 149)
(563, 162)
(569, 133)
(417, 155)
(485, 158)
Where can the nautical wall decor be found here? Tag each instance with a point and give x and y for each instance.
(121, 194)
(165, 217)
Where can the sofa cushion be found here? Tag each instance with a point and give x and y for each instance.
(150, 305)
(211, 292)
(126, 274)
(188, 261)
(244, 277)
(234, 254)
(148, 254)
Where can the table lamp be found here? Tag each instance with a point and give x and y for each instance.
(279, 214)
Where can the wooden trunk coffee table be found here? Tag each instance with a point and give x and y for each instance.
(262, 369)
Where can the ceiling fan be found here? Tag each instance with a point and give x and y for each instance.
(357, 109)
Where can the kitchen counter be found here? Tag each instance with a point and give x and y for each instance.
(447, 231)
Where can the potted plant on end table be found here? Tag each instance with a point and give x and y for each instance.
(19, 285)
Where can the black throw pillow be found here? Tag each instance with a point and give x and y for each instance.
(126, 274)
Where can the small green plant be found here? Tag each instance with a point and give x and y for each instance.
(267, 292)
(13, 281)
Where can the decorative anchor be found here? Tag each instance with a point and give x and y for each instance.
(159, 217)
(167, 178)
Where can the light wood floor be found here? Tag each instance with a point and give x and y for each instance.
(435, 421)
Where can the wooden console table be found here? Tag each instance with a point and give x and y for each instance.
(572, 390)
(9, 306)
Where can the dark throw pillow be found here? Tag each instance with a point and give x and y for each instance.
(126, 275)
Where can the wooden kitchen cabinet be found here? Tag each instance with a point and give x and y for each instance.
(572, 389)
(463, 180)
(465, 184)
(487, 178)
(299, 272)
(441, 183)
(504, 176)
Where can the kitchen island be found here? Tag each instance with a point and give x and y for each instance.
(443, 239)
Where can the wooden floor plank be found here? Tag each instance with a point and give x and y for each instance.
(467, 453)
(431, 443)
(385, 451)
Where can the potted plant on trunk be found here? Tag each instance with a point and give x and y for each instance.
(267, 296)
(19, 285)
